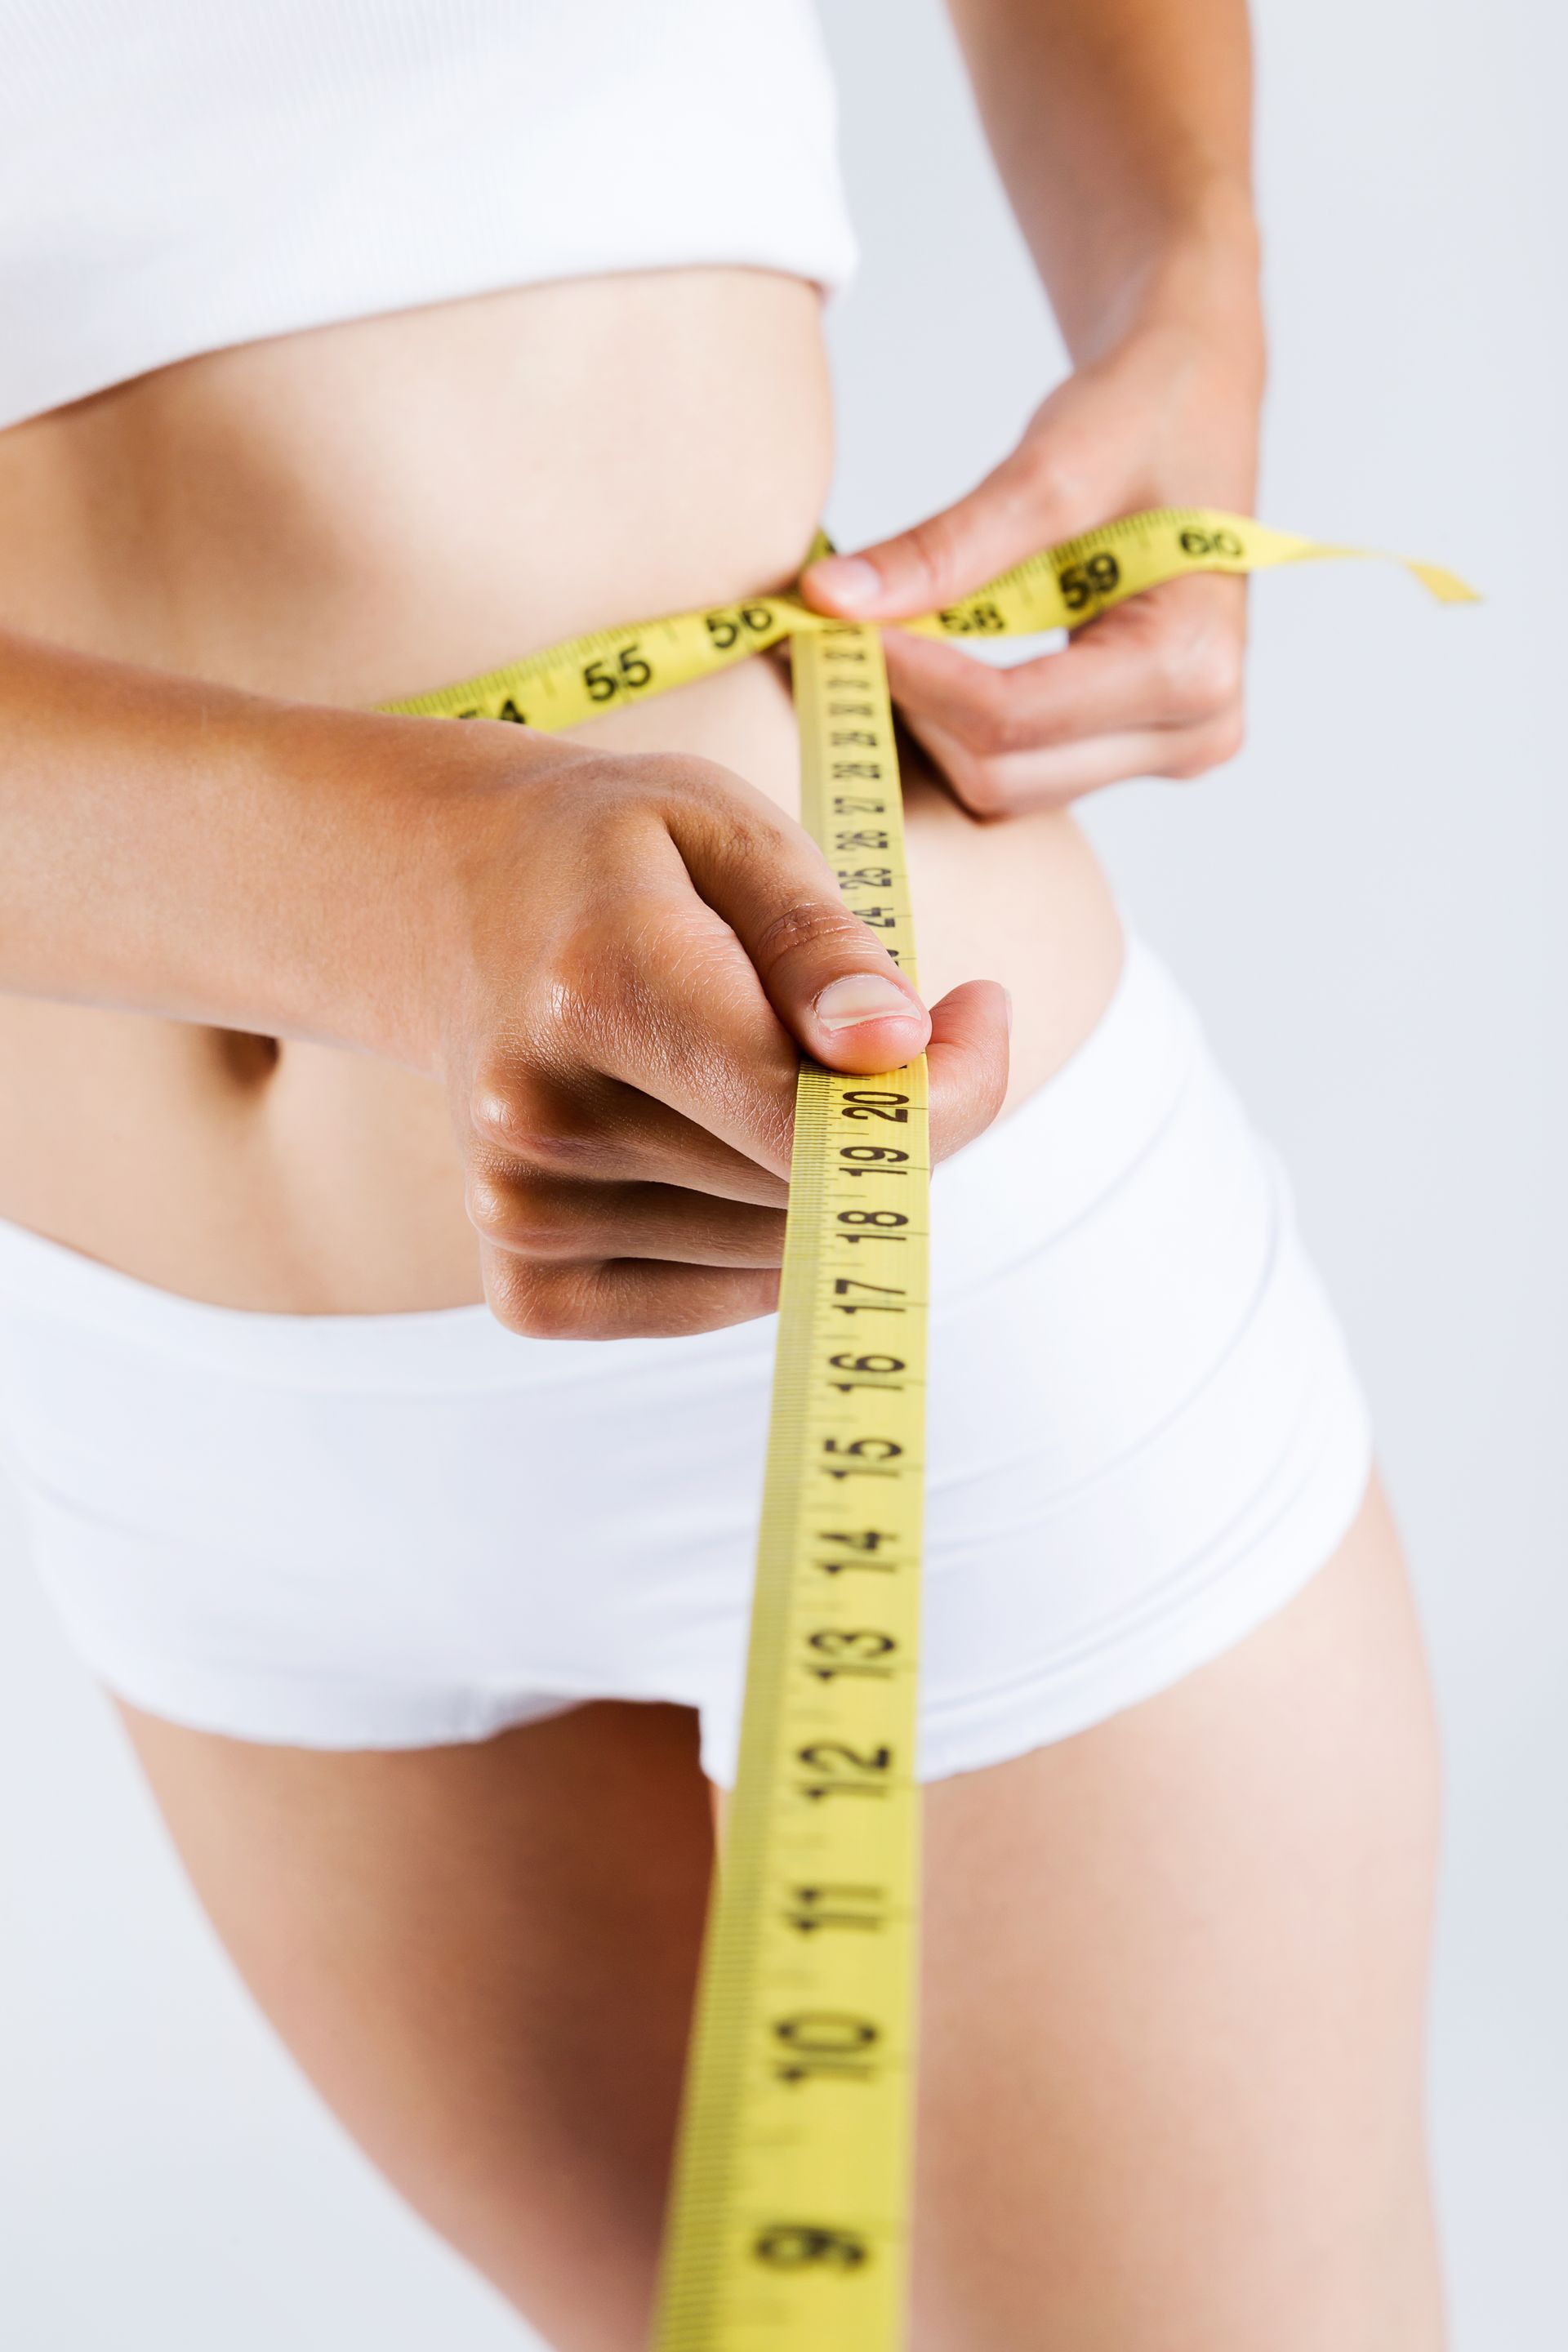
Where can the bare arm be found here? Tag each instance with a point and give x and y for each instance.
(609, 961)
(1122, 131)
(174, 848)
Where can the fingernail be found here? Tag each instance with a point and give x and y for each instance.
(848, 578)
(1008, 999)
(863, 996)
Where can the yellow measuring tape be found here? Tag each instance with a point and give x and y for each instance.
(1061, 588)
(789, 2223)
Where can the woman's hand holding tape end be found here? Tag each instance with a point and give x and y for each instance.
(1152, 688)
(649, 946)
(840, 993)
(963, 1038)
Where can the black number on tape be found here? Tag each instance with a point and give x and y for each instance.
(869, 1540)
(845, 1650)
(814, 1907)
(1200, 544)
(796, 2245)
(868, 1454)
(726, 629)
(840, 1770)
(844, 1304)
(630, 674)
(832, 1756)
(971, 620)
(863, 1102)
(1082, 583)
(826, 2042)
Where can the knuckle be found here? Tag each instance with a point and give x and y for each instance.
(1059, 474)
(497, 1107)
(804, 923)
(1228, 734)
(1205, 748)
(1053, 477)
(593, 1301)
(603, 977)
(732, 835)
(999, 725)
(521, 1216)
(687, 776)
(516, 1115)
(932, 550)
(1198, 677)
(981, 789)
(487, 1201)
(558, 1313)
(535, 1305)
(512, 1292)
(584, 968)
(1179, 767)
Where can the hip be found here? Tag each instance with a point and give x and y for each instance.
(400, 1529)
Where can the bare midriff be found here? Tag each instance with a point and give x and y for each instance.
(359, 511)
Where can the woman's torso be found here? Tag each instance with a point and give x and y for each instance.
(362, 510)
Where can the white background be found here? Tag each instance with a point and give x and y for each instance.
(1364, 906)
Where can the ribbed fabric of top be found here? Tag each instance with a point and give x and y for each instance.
(178, 176)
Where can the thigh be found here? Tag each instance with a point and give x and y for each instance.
(1176, 1974)
(485, 1958)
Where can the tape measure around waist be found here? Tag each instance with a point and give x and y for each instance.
(1061, 588)
(788, 2222)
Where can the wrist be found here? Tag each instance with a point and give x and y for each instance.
(1195, 271)
(1174, 394)
(391, 817)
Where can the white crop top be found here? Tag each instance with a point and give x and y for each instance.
(176, 176)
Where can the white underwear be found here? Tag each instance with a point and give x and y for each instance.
(395, 1530)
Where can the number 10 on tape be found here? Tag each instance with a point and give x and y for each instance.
(789, 2220)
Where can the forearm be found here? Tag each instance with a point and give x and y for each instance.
(176, 848)
(1122, 128)
(1122, 131)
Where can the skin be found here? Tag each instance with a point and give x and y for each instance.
(320, 1012)
(1123, 136)
(1173, 1974)
(273, 942)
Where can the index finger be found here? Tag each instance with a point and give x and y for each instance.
(1170, 658)
(1010, 515)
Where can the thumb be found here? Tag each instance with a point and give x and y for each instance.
(825, 972)
(1007, 517)
(967, 1059)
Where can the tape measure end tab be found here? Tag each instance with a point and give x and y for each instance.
(1446, 586)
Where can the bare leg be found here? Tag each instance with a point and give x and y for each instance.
(1175, 1976)
(485, 1959)
(1174, 1982)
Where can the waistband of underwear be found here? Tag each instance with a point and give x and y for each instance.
(1008, 1193)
